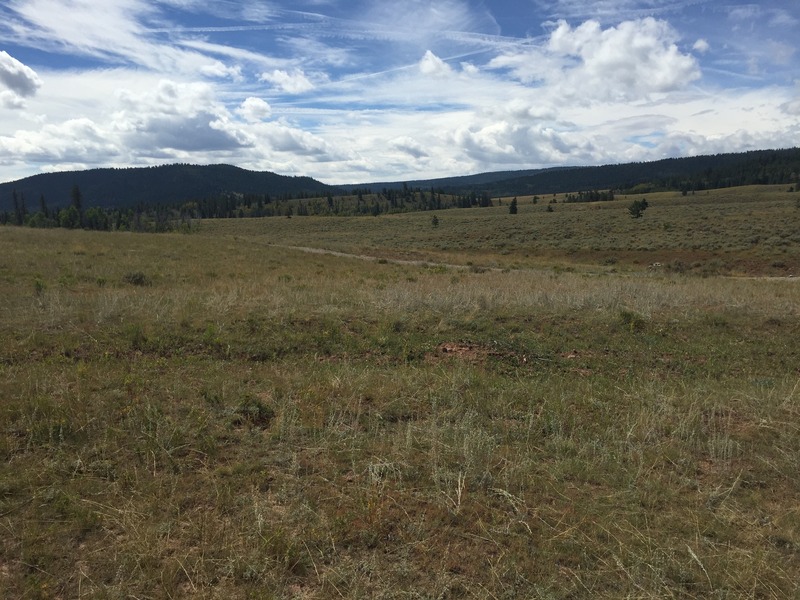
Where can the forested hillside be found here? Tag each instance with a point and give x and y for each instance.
(693, 173)
(161, 198)
(163, 185)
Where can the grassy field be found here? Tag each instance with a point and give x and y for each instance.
(748, 230)
(538, 414)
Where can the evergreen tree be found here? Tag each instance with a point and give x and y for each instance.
(18, 216)
(637, 208)
(77, 199)
(512, 208)
(43, 207)
(77, 203)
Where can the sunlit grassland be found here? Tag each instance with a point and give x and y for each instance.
(215, 415)
(731, 231)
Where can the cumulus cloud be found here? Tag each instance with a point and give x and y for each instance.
(623, 63)
(702, 46)
(78, 140)
(177, 116)
(20, 79)
(11, 100)
(201, 132)
(409, 146)
(469, 69)
(433, 65)
(254, 109)
(221, 70)
(169, 98)
(634, 58)
(295, 82)
(284, 138)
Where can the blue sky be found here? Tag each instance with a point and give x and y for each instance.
(359, 91)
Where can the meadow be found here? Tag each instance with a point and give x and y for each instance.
(492, 406)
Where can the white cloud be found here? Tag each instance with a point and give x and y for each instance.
(589, 64)
(433, 65)
(780, 53)
(75, 141)
(420, 22)
(782, 18)
(629, 61)
(119, 33)
(177, 116)
(114, 28)
(284, 138)
(11, 100)
(221, 70)
(747, 12)
(295, 82)
(792, 106)
(201, 132)
(702, 46)
(168, 98)
(410, 146)
(21, 80)
(254, 109)
(469, 69)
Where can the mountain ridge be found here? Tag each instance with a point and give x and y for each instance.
(178, 183)
(156, 185)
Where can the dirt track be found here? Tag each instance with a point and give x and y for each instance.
(427, 263)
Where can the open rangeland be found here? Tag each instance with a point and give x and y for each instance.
(534, 410)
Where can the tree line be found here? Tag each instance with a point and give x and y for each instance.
(180, 215)
(141, 218)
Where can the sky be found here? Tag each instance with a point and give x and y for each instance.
(356, 91)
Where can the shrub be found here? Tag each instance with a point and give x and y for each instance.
(632, 320)
(137, 278)
(253, 411)
(637, 208)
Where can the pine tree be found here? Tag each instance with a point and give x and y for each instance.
(18, 216)
(637, 208)
(43, 207)
(77, 199)
(77, 204)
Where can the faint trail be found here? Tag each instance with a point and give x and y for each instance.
(394, 261)
(427, 263)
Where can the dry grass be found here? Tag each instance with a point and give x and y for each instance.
(739, 231)
(212, 416)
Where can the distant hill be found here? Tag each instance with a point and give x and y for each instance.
(692, 173)
(172, 185)
(169, 184)
(458, 183)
